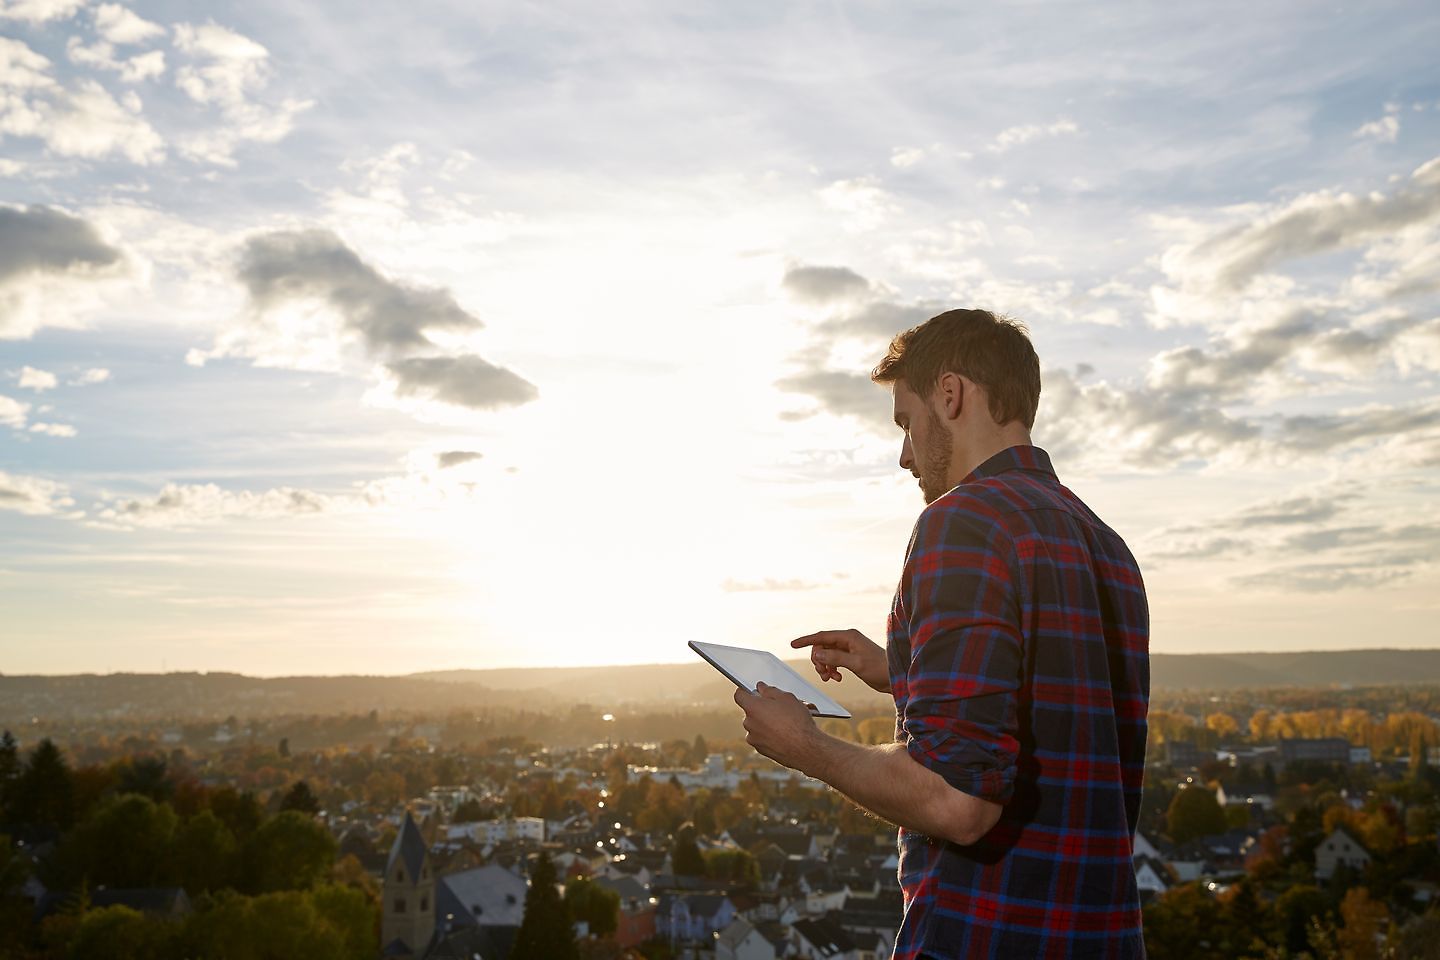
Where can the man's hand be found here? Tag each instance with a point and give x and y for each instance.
(778, 725)
(832, 649)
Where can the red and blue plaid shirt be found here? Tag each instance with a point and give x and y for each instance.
(1019, 662)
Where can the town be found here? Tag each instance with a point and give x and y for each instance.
(1282, 823)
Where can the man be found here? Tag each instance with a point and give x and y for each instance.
(1018, 657)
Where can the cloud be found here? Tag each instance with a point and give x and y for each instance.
(862, 200)
(121, 25)
(53, 429)
(32, 495)
(228, 71)
(842, 394)
(1384, 130)
(92, 376)
(463, 381)
(1015, 136)
(82, 120)
(768, 585)
(824, 284)
(37, 380)
(143, 66)
(13, 413)
(906, 156)
(52, 264)
(454, 458)
(189, 505)
(1226, 261)
(285, 266)
(39, 11)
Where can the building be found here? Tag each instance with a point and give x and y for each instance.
(1341, 848)
(1182, 754)
(1323, 749)
(407, 903)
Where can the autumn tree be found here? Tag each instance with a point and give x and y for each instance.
(597, 906)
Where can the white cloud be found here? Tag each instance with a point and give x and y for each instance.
(862, 200)
(121, 25)
(228, 70)
(1015, 136)
(37, 380)
(32, 495)
(39, 11)
(53, 429)
(80, 120)
(92, 376)
(189, 505)
(906, 156)
(13, 413)
(1384, 130)
(101, 55)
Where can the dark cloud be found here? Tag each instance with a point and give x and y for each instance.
(41, 239)
(454, 458)
(882, 319)
(824, 284)
(1288, 512)
(843, 394)
(1320, 578)
(464, 381)
(316, 264)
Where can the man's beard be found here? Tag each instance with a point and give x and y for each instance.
(935, 467)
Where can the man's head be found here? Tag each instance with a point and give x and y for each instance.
(964, 379)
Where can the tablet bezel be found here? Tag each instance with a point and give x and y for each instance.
(816, 695)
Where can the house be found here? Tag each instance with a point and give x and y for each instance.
(823, 938)
(741, 941)
(1340, 848)
(1325, 749)
(692, 916)
(1152, 877)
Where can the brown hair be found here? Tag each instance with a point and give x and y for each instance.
(994, 352)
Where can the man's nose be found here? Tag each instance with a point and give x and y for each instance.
(907, 459)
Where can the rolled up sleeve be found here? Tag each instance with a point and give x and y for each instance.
(966, 652)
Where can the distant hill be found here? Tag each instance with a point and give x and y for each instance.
(680, 685)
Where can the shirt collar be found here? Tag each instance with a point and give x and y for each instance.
(1022, 457)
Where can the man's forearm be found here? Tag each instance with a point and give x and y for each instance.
(889, 783)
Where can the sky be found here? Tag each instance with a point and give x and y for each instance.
(382, 339)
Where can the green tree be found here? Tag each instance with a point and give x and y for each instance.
(1194, 813)
(327, 923)
(241, 812)
(120, 933)
(146, 776)
(1295, 909)
(685, 859)
(45, 790)
(597, 906)
(125, 842)
(545, 932)
(10, 769)
(289, 852)
(204, 853)
(300, 797)
(1184, 923)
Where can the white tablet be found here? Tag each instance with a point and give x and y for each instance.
(746, 667)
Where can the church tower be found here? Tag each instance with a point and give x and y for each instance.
(408, 901)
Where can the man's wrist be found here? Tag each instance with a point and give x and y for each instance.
(825, 751)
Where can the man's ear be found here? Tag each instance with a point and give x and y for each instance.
(950, 391)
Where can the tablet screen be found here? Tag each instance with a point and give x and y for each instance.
(746, 667)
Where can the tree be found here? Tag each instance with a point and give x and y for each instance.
(1184, 923)
(1222, 724)
(240, 812)
(289, 852)
(1295, 909)
(327, 923)
(737, 865)
(1364, 918)
(545, 932)
(45, 791)
(597, 906)
(1194, 813)
(685, 857)
(120, 933)
(284, 748)
(147, 777)
(9, 773)
(301, 798)
(204, 854)
(124, 843)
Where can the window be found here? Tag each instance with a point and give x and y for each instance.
(424, 904)
(399, 875)
(399, 904)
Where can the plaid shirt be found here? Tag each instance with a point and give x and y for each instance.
(1019, 662)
